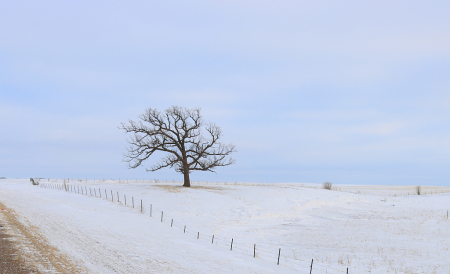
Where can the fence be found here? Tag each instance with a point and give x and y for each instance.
(249, 249)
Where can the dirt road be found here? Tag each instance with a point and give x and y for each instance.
(10, 261)
(24, 250)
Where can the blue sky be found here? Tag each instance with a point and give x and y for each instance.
(309, 91)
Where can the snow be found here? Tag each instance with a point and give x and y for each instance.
(367, 229)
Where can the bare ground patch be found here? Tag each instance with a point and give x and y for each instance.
(179, 188)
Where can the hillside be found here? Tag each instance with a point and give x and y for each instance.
(368, 229)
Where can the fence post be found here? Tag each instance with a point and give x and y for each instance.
(106, 193)
(112, 197)
(171, 224)
(254, 251)
(99, 192)
(310, 271)
(212, 241)
(184, 229)
(162, 215)
(118, 197)
(132, 199)
(279, 253)
(198, 235)
(231, 248)
(141, 205)
(151, 210)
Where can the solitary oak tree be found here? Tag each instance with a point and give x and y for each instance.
(178, 132)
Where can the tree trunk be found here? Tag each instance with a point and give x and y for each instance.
(187, 182)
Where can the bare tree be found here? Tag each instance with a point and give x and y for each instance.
(178, 132)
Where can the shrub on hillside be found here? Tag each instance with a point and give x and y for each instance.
(327, 185)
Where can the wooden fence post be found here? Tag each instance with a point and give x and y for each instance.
(162, 215)
(279, 253)
(231, 248)
(310, 271)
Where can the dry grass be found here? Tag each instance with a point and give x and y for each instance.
(418, 190)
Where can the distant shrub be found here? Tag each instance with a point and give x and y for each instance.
(418, 190)
(327, 185)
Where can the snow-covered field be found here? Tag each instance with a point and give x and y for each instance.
(367, 229)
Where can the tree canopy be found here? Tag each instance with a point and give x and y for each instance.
(178, 132)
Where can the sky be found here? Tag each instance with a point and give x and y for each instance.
(350, 92)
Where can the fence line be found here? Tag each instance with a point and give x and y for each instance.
(275, 256)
